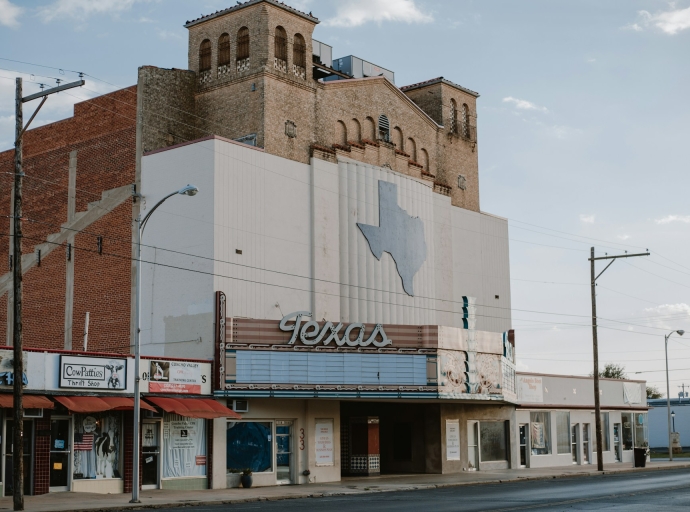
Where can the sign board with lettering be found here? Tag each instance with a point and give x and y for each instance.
(530, 389)
(452, 439)
(178, 377)
(323, 438)
(102, 373)
(7, 368)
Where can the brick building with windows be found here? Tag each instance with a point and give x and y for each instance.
(255, 76)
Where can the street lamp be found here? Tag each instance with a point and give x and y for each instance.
(189, 190)
(673, 416)
(668, 393)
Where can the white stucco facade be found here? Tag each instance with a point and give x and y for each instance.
(279, 236)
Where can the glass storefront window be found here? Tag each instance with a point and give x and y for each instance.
(627, 418)
(562, 432)
(641, 436)
(540, 432)
(184, 446)
(249, 445)
(97, 438)
(492, 441)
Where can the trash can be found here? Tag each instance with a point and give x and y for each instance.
(640, 457)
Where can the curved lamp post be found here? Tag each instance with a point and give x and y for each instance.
(668, 393)
(189, 190)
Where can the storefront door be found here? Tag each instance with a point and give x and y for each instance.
(585, 443)
(617, 446)
(284, 451)
(150, 454)
(28, 456)
(60, 454)
(523, 445)
(573, 442)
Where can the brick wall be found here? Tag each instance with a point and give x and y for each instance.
(103, 133)
(261, 98)
(42, 455)
(128, 442)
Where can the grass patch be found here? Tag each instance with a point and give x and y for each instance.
(663, 455)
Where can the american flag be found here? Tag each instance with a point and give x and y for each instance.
(83, 442)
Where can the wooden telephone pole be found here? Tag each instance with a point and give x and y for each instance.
(595, 347)
(18, 377)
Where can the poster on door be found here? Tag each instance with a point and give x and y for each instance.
(179, 377)
(324, 442)
(184, 446)
(452, 439)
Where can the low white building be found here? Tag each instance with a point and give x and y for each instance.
(556, 422)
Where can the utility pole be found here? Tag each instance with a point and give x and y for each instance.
(18, 377)
(682, 393)
(595, 347)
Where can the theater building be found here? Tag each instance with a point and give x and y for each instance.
(366, 323)
(355, 314)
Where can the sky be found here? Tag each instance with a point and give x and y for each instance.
(583, 130)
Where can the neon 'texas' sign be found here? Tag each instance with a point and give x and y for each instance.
(310, 333)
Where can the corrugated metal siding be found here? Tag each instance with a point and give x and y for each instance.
(372, 290)
(264, 367)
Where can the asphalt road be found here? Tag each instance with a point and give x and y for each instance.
(644, 491)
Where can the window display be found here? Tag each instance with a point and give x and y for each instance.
(184, 446)
(563, 432)
(641, 436)
(249, 446)
(97, 439)
(540, 427)
(627, 418)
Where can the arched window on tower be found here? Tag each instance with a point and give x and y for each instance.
(205, 56)
(243, 49)
(356, 132)
(466, 121)
(453, 116)
(369, 129)
(299, 56)
(384, 128)
(398, 138)
(424, 159)
(341, 134)
(223, 51)
(280, 50)
(411, 148)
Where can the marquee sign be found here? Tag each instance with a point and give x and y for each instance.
(311, 333)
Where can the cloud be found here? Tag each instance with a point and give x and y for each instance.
(9, 14)
(591, 60)
(82, 9)
(669, 22)
(673, 218)
(588, 219)
(169, 35)
(623, 237)
(353, 13)
(668, 316)
(524, 104)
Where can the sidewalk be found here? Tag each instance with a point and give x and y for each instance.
(83, 502)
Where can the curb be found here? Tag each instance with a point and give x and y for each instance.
(367, 490)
